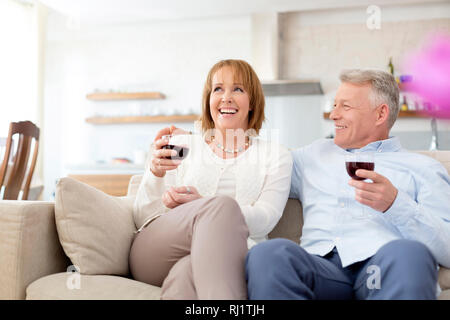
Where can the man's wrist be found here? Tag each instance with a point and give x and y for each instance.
(395, 197)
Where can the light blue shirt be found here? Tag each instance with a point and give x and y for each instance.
(333, 218)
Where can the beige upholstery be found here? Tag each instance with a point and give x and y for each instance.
(444, 278)
(445, 295)
(89, 287)
(32, 259)
(441, 156)
(290, 225)
(29, 245)
(96, 233)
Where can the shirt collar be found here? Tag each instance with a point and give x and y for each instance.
(391, 144)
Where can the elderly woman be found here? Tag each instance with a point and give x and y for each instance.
(198, 216)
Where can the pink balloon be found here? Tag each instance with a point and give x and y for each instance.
(430, 70)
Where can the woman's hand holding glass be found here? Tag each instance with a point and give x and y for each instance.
(161, 157)
(161, 161)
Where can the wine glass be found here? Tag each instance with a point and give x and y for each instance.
(182, 150)
(353, 162)
(361, 160)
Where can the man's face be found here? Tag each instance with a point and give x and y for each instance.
(354, 117)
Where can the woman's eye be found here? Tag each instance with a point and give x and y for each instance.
(216, 89)
(239, 89)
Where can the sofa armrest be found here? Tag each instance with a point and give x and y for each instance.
(29, 245)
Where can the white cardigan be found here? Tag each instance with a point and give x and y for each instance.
(263, 178)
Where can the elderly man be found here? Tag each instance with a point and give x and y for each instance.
(380, 237)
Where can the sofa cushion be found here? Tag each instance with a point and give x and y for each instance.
(65, 286)
(291, 222)
(29, 246)
(95, 229)
(445, 295)
(444, 278)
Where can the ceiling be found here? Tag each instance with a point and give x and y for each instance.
(120, 11)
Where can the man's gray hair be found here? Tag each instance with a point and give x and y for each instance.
(384, 88)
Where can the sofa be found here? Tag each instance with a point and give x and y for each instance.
(34, 265)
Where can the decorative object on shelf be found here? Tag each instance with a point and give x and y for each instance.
(99, 96)
(391, 66)
(404, 105)
(430, 70)
(120, 160)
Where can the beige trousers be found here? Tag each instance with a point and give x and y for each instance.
(195, 251)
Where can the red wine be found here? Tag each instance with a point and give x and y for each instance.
(353, 166)
(182, 152)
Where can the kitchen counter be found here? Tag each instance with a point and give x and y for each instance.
(112, 179)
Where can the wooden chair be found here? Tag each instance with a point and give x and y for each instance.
(16, 175)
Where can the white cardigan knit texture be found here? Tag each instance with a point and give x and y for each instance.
(263, 178)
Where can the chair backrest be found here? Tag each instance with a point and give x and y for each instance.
(16, 175)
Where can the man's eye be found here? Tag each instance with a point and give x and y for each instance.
(346, 107)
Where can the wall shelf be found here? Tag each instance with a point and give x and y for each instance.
(100, 96)
(142, 119)
(402, 114)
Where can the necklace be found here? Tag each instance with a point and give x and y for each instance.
(221, 147)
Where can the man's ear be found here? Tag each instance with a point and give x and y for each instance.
(382, 114)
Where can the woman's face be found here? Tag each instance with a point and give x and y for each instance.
(229, 102)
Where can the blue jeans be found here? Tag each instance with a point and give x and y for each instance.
(281, 269)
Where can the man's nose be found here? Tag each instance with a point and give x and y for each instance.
(335, 113)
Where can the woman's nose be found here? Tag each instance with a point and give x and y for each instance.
(226, 98)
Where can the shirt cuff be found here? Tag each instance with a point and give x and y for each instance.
(402, 209)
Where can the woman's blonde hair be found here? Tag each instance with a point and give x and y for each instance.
(245, 73)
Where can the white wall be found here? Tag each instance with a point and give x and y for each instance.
(174, 57)
(319, 44)
(18, 71)
(170, 57)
